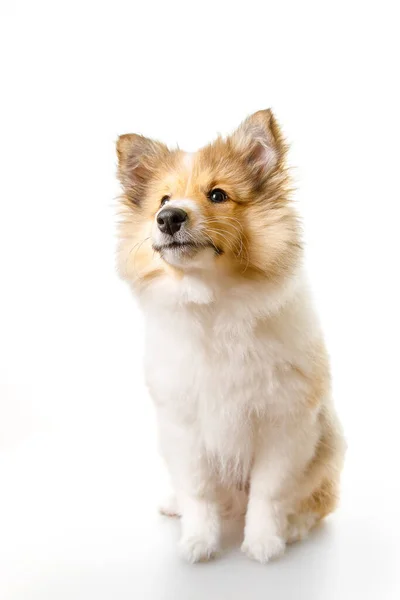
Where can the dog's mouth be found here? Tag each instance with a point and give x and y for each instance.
(185, 247)
(174, 244)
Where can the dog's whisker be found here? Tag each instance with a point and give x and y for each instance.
(229, 241)
(191, 236)
(137, 250)
(241, 233)
(242, 250)
(129, 254)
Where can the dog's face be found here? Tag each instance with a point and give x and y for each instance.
(224, 207)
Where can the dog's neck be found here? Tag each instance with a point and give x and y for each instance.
(215, 290)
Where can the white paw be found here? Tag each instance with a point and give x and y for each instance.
(197, 548)
(263, 548)
(169, 507)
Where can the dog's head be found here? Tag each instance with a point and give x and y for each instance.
(224, 208)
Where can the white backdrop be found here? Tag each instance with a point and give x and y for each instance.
(79, 473)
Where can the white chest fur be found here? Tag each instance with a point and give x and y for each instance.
(220, 361)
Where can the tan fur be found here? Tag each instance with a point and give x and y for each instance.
(320, 486)
(258, 235)
(257, 228)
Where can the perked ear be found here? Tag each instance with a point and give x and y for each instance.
(260, 140)
(138, 157)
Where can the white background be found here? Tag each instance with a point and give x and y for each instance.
(79, 473)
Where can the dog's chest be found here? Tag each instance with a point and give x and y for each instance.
(211, 367)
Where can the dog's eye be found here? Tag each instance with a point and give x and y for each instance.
(217, 195)
(164, 199)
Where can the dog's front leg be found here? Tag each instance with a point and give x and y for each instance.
(200, 527)
(282, 453)
(195, 490)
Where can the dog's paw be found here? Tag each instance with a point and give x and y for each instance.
(196, 548)
(263, 548)
(299, 526)
(169, 507)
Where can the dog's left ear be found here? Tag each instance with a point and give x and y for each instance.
(259, 139)
(138, 158)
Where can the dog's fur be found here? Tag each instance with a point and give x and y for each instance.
(235, 358)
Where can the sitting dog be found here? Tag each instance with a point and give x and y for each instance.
(235, 359)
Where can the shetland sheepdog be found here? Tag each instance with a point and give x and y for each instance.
(235, 360)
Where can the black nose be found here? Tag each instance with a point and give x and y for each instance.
(169, 220)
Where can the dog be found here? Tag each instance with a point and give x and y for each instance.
(235, 360)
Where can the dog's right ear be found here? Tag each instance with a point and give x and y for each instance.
(138, 157)
(259, 139)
